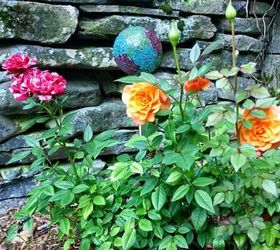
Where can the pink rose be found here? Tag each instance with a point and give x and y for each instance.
(18, 63)
(44, 84)
(19, 88)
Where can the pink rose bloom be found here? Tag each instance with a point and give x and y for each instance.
(19, 88)
(18, 63)
(44, 84)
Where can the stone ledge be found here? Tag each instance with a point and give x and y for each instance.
(38, 22)
(83, 92)
(196, 27)
(126, 10)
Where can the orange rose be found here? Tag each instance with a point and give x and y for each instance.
(265, 133)
(143, 100)
(196, 84)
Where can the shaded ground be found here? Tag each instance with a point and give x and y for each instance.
(42, 237)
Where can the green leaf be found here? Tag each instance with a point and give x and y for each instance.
(49, 191)
(203, 182)
(148, 77)
(213, 119)
(237, 161)
(159, 197)
(180, 192)
(266, 102)
(80, 188)
(216, 45)
(149, 186)
(67, 198)
(136, 168)
(129, 236)
(219, 198)
(85, 244)
(253, 234)
(258, 113)
(139, 142)
(105, 135)
(99, 200)
(204, 200)
(130, 79)
(181, 242)
(121, 171)
(248, 104)
(18, 156)
(222, 83)
(145, 225)
(68, 243)
(214, 75)
(12, 233)
(260, 92)
(239, 240)
(165, 242)
(158, 231)
(87, 210)
(174, 176)
(195, 53)
(247, 124)
(64, 225)
(64, 184)
(88, 133)
(28, 225)
(198, 218)
(270, 187)
(240, 96)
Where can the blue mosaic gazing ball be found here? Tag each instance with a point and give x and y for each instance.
(137, 49)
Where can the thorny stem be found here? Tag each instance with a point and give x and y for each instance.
(235, 89)
(62, 143)
(175, 52)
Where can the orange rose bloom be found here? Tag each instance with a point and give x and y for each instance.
(196, 84)
(143, 100)
(265, 133)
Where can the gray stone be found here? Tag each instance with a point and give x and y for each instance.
(219, 59)
(8, 128)
(16, 189)
(247, 26)
(87, 58)
(243, 83)
(37, 22)
(257, 8)
(271, 67)
(133, 2)
(274, 46)
(109, 115)
(82, 92)
(211, 7)
(196, 27)
(243, 42)
(7, 205)
(126, 10)
(3, 77)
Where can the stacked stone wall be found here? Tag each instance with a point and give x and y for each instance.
(75, 38)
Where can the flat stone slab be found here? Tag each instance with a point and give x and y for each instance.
(196, 27)
(271, 67)
(110, 114)
(243, 43)
(39, 22)
(219, 59)
(126, 10)
(8, 128)
(274, 46)
(253, 8)
(86, 58)
(247, 26)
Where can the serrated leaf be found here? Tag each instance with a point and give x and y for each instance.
(270, 187)
(174, 176)
(219, 198)
(136, 168)
(198, 218)
(237, 161)
(129, 236)
(253, 234)
(204, 200)
(260, 92)
(149, 186)
(159, 197)
(195, 53)
(213, 119)
(99, 200)
(214, 75)
(180, 192)
(180, 241)
(88, 133)
(64, 225)
(145, 225)
(203, 182)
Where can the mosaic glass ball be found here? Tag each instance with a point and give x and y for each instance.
(137, 49)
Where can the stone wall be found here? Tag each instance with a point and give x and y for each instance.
(75, 38)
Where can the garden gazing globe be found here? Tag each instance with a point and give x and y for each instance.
(137, 49)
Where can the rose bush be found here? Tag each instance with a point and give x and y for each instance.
(202, 177)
